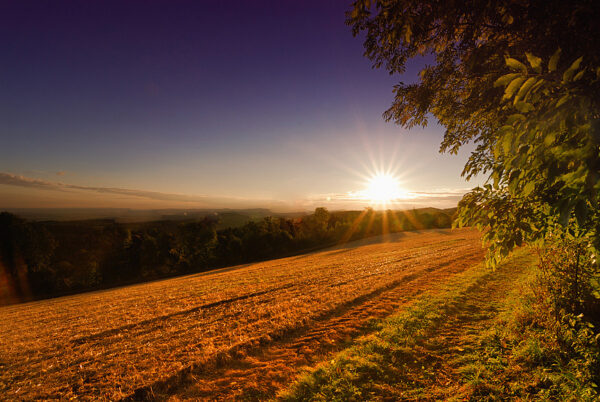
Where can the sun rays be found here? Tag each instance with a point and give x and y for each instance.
(379, 176)
(383, 189)
(383, 192)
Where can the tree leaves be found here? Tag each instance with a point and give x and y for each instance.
(507, 143)
(568, 74)
(524, 107)
(542, 158)
(528, 189)
(513, 87)
(549, 101)
(516, 65)
(553, 63)
(505, 79)
(535, 62)
(524, 90)
(562, 100)
(581, 212)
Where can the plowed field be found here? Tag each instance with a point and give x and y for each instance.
(237, 332)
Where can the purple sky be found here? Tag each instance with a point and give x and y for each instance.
(218, 103)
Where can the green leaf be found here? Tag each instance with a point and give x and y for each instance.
(553, 63)
(524, 107)
(525, 88)
(516, 64)
(549, 138)
(507, 143)
(524, 148)
(562, 100)
(513, 118)
(512, 87)
(505, 79)
(528, 189)
(578, 75)
(568, 75)
(513, 180)
(508, 19)
(537, 85)
(496, 177)
(535, 62)
(407, 33)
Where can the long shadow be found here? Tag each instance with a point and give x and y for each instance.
(182, 377)
(113, 331)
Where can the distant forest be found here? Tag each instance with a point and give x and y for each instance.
(45, 259)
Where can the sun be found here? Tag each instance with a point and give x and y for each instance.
(383, 189)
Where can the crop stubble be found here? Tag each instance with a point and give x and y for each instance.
(253, 326)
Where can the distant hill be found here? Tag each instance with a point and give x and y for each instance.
(225, 217)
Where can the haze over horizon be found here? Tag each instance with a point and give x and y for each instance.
(151, 105)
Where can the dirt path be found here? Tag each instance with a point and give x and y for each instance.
(260, 373)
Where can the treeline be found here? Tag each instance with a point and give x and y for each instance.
(43, 259)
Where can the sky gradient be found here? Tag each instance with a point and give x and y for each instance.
(192, 104)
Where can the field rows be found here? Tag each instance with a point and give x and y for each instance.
(109, 344)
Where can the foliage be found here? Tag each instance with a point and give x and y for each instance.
(518, 78)
(546, 161)
(570, 276)
(556, 357)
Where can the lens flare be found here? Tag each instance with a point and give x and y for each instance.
(382, 190)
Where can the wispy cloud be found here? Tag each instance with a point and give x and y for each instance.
(350, 200)
(444, 194)
(439, 198)
(22, 181)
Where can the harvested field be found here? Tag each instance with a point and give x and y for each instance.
(237, 332)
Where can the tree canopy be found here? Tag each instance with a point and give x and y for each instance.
(520, 79)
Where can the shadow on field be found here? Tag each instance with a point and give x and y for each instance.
(227, 360)
(113, 331)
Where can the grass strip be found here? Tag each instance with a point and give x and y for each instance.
(383, 364)
(527, 354)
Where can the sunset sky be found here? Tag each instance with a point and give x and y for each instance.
(193, 104)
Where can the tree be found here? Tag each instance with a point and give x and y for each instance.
(520, 79)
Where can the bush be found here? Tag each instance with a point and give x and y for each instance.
(559, 325)
(569, 273)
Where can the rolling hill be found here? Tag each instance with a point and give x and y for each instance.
(243, 330)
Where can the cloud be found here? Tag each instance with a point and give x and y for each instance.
(440, 198)
(61, 173)
(352, 200)
(22, 181)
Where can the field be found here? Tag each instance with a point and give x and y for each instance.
(239, 332)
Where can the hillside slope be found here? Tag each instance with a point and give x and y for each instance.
(237, 332)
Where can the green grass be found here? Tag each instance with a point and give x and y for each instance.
(542, 358)
(388, 363)
(511, 355)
